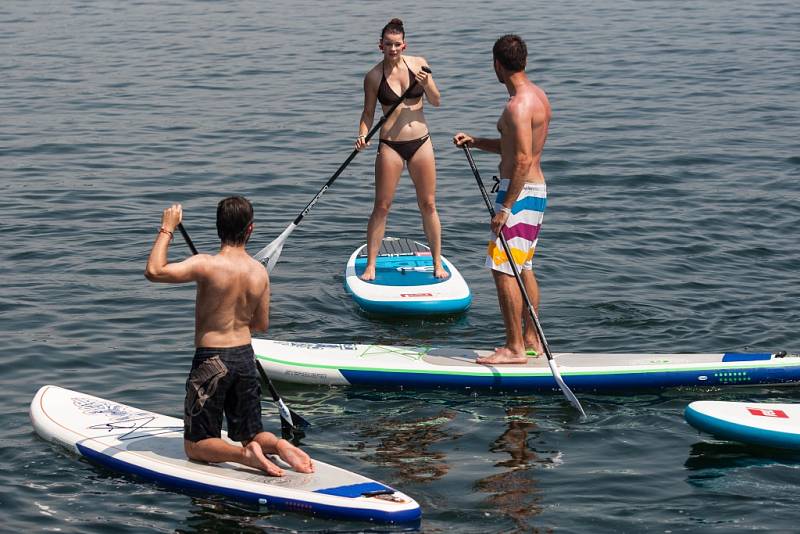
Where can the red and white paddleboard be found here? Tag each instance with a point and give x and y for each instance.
(754, 423)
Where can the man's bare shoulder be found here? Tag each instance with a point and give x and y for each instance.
(258, 270)
(519, 107)
(526, 103)
(256, 265)
(199, 263)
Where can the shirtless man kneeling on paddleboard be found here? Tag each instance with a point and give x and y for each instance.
(521, 195)
(232, 301)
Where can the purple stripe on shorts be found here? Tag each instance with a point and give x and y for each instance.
(523, 230)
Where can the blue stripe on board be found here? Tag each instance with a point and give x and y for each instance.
(280, 503)
(600, 382)
(427, 307)
(387, 273)
(745, 357)
(527, 203)
(741, 433)
(354, 490)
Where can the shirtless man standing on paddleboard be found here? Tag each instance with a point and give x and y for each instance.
(521, 196)
(232, 301)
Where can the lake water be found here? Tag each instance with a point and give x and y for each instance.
(673, 169)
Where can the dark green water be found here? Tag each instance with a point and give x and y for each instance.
(672, 166)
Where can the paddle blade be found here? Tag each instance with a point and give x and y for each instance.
(298, 420)
(564, 388)
(272, 252)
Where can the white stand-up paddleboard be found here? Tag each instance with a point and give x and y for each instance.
(754, 423)
(395, 366)
(404, 283)
(150, 446)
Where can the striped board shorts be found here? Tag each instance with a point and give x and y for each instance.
(521, 229)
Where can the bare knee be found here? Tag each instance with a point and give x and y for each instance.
(381, 210)
(427, 206)
(192, 450)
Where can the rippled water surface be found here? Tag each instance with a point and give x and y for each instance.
(672, 166)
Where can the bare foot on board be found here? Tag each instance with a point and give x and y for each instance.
(502, 355)
(440, 272)
(254, 457)
(299, 460)
(368, 274)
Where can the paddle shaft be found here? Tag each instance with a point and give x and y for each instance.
(567, 392)
(187, 239)
(355, 152)
(507, 250)
(288, 416)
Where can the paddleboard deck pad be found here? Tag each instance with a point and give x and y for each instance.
(150, 446)
(753, 423)
(393, 366)
(404, 283)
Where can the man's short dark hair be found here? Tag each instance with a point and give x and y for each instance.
(512, 53)
(234, 215)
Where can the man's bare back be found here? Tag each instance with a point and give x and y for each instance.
(232, 298)
(232, 301)
(232, 290)
(524, 123)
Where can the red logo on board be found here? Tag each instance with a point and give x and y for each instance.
(416, 294)
(766, 412)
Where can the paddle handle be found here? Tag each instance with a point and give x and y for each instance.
(355, 152)
(188, 239)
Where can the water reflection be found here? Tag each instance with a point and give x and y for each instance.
(514, 493)
(210, 516)
(710, 460)
(406, 445)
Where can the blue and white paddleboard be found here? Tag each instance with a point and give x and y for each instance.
(150, 446)
(441, 367)
(753, 423)
(404, 283)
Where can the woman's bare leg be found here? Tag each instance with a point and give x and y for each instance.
(422, 168)
(388, 166)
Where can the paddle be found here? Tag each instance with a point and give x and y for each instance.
(272, 252)
(550, 361)
(291, 422)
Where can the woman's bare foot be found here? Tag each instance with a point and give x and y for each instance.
(254, 457)
(502, 355)
(299, 460)
(440, 272)
(368, 274)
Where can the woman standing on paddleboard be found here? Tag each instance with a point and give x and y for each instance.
(404, 141)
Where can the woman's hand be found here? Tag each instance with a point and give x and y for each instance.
(361, 142)
(423, 78)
